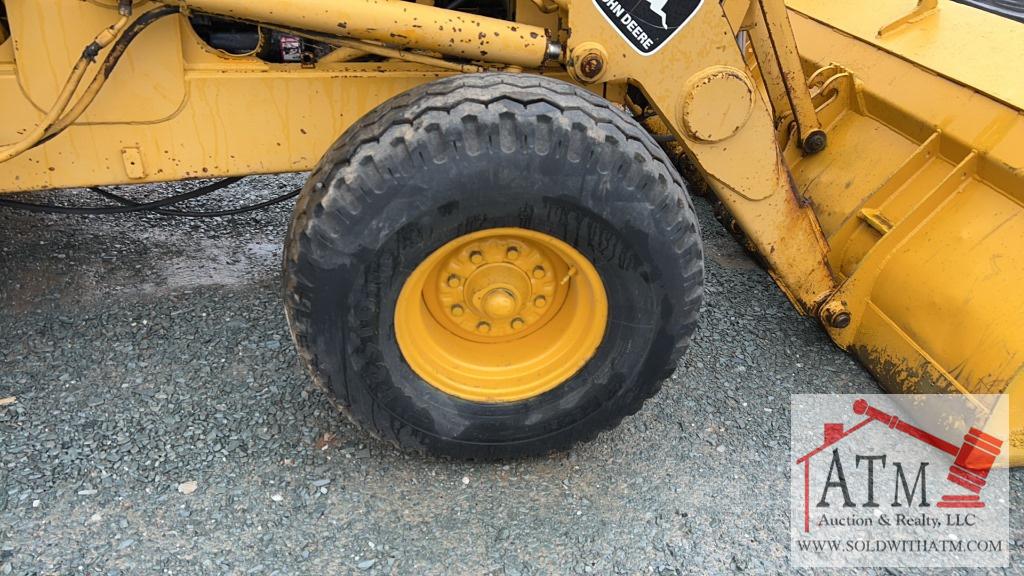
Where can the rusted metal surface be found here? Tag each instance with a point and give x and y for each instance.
(591, 66)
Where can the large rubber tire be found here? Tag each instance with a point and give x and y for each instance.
(475, 152)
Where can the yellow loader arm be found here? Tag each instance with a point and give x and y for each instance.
(870, 156)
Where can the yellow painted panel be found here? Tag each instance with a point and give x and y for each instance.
(976, 48)
(18, 115)
(234, 123)
(838, 180)
(897, 206)
(955, 288)
(147, 85)
(893, 358)
(7, 51)
(528, 13)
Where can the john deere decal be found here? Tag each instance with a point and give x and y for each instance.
(648, 24)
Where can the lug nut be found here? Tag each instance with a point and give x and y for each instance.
(457, 310)
(518, 323)
(539, 272)
(512, 253)
(453, 281)
(476, 257)
(540, 301)
(483, 327)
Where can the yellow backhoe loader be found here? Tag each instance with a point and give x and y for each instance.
(495, 253)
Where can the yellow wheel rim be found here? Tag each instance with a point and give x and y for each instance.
(501, 315)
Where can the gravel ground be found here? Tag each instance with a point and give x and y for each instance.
(149, 353)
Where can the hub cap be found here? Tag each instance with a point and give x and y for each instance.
(501, 315)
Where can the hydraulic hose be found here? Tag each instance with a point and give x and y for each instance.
(106, 68)
(124, 209)
(194, 214)
(158, 206)
(102, 40)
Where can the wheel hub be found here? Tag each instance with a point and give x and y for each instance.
(498, 287)
(499, 303)
(501, 314)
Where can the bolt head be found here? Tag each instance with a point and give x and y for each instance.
(591, 66)
(512, 253)
(540, 301)
(483, 327)
(518, 323)
(539, 272)
(454, 281)
(841, 320)
(835, 315)
(458, 310)
(815, 142)
(476, 257)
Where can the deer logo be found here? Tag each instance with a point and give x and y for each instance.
(658, 7)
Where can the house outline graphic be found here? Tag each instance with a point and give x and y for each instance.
(972, 460)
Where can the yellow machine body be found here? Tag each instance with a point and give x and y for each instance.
(872, 155)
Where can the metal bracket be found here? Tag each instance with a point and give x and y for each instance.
(924, 9)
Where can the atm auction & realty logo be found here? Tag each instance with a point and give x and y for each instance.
(899, 481)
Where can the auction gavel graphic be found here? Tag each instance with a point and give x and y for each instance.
(972, 461)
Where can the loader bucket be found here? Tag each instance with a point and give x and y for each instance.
(920, 192)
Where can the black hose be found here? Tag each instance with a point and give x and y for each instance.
(107, 67)
(105, 210)
(119, 47)
(192, 214)
(117, 50)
